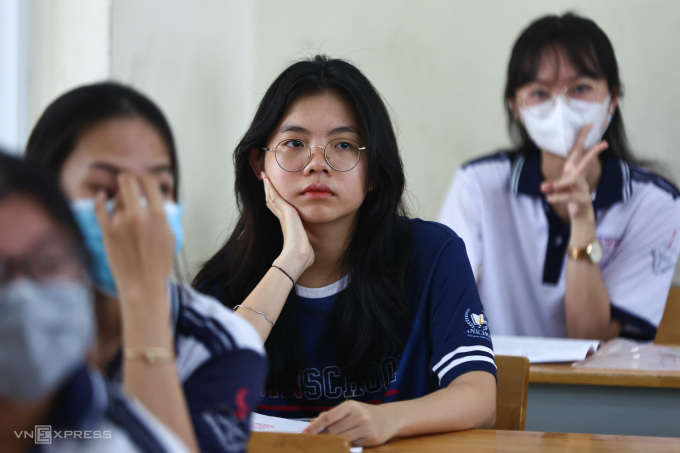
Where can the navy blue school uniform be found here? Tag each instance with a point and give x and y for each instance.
(92, 415)
(221, 364)
(449, 334)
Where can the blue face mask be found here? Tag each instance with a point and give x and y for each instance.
(83, 209)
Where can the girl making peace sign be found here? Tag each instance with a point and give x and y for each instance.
(574, 238)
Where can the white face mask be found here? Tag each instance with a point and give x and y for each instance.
(555, 129)
(46, 330)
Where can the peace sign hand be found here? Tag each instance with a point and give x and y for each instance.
(572, 188)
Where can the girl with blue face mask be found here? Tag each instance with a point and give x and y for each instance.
(114, 155)
(573, 235)
(47, 328)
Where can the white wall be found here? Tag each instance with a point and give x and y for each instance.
(69, 46)
(195, 59)
(440, 64)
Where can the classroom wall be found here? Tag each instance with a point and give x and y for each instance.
(440, 65)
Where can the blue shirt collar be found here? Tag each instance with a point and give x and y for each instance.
(82, 401)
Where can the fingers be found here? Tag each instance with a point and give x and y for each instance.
(573, 176)
(567, 197)
(327, 419)
(576, 151)
(591, 155)
(152, 192)
(129, 192)
(275, 201)
(100, 210)
(357, 421)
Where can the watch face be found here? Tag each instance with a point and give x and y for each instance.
(594, 250)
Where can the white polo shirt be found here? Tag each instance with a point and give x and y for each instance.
(518, 243)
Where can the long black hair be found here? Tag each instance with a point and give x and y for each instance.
(588, 48)
(19, 178)
(54, 136)
(371, 317)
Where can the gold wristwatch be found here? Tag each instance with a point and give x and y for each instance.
(592, 252)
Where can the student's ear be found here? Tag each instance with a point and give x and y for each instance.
(256, 161)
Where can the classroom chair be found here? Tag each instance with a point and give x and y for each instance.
(511, 392)
(669, 328)
(263, 442)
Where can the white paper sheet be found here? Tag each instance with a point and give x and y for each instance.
(266, 423)
(544, 350)
(259, 422)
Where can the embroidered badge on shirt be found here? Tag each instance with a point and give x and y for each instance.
(479, 324)
(662, 258)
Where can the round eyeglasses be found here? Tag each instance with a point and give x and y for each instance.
(341, 154)
(538, 96)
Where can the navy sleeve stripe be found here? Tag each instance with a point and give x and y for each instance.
(205, 319)
(462, 360)
(200, 319)
(200, 327)
(499, 156)
(463, 355)
(120, 413)
(648, 330)
(642, 175)
(462, 350)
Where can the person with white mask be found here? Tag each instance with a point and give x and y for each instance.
(568, 234)
(50, 399)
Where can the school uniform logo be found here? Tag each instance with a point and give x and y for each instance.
(479, 324)
(662, 257)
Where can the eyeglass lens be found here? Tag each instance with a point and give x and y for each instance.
(582, 91)
(341, 154)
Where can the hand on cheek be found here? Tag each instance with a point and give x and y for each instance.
(297, 254)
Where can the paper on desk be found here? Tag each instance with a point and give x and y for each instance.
(626, 354)
(544, 350)
(266, 423)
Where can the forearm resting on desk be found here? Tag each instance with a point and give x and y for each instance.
(468, 402)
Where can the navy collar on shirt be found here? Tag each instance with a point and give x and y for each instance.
(614, 186)
(526, 177)
(81, 401)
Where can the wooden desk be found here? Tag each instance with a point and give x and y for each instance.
(563, 398)
(488, 441)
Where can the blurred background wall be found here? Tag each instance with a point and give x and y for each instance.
(440, 64)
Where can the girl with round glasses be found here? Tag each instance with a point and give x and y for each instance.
(569, 235)
(193, 364)
(372, 320)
